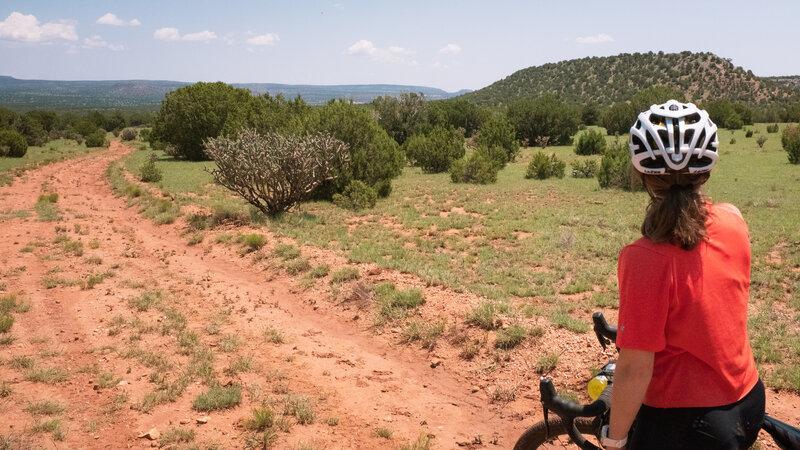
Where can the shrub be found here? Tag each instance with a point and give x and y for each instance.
(96, 138)
(479, 168)
(761, 140)
(748, 133)
(402, 116)
(12, 144)
(773, 128)
(616, 169)
(584, 169)
(435, 152)
(499, 132)
(356, 196)
(590, 142)
(128, 134)
(374, 157)
(544, 116)
(274, 172)
(149, 173)
(542, 167)
(510, 337)
(192, 114)
(790, 139)
(618, 118)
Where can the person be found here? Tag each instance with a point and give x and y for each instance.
(685, 377)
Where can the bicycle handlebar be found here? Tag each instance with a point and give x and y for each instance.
(605, 333)
(569, 410)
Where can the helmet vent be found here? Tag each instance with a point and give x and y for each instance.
(663, 136)
(687, 138)
(692, 119)
(651, 142)
(655, 120)
(640, 148)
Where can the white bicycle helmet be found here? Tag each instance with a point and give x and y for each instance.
(674, 137)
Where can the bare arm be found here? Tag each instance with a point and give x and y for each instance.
(631, 379)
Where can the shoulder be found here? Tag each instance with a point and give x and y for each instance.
(725, 209)
(643, 248)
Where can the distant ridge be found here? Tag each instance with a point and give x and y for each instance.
(148, 94)
(607, 80)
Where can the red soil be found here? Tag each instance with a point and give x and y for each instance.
(367, 379)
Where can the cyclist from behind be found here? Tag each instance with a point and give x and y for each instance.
(685, 377)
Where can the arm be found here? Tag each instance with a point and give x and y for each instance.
(631, 379)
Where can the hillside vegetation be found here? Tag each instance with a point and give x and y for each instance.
(608, 80)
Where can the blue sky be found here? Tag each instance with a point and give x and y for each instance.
(447, 44)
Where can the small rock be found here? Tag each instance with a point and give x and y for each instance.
(435, 362)
(373, 272)
(185, 421)
(475, 389)
(153, 434)
(202, 420)
(123, 383)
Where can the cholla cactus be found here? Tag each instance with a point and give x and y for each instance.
(274, 172)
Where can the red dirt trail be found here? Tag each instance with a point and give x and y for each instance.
(364, 378)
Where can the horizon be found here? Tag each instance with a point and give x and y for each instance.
(448, 45)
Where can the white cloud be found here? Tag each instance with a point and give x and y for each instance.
(98, 42)
(205, 35)
(392, 54)
(167, 34)
(172, 34)
(112, 19)
(264, 39)
(450, 49)
(599, 39)
(439, 65)
(27, 28)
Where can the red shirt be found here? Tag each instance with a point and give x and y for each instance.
(689, 307)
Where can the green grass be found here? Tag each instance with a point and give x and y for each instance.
(510, 337)
(45, 408)
(38, 156)
(46, 208)
(394, 303)
(218, 397)
(50, 375)
(176, 436)
(253, 242)
(286, 251)
(540, 242)
(426, 333)
(298, 406)
(346, 274)
(261, 419)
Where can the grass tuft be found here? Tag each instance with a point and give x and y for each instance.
(218, 397)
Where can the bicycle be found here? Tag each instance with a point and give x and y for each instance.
(577, 420)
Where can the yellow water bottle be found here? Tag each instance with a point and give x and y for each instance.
(596, 386)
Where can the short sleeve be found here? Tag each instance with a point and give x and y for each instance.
(645, 289)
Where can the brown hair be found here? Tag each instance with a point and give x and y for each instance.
(677, 212)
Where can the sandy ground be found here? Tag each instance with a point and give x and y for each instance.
(367, 378)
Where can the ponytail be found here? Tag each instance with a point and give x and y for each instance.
(677, 210)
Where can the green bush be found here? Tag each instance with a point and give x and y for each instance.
(149, 173)
(590, 142)
(542, 167)
(96, 138)
(544, 116)
(128, 134)
(790, 138)
(584, 169)
(12, 144)
(618, 118)
(435, 152)
(356, 196)
(375, 158)
(773, 128)
(616, 169)
(499, 132)
(748, 133)
(192, 114)
(478, 168)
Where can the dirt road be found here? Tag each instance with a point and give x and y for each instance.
(88, 343)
